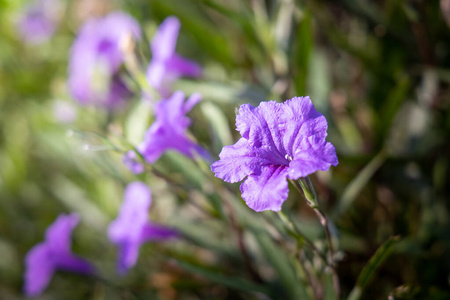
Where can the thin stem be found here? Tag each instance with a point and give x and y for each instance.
(305, 185)
(313, 281)
(295, 231)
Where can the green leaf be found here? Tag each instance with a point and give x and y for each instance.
(281, 262)
(207, 235)
(302, 49)
(392, 104)
(232, 92)
(329, 292)
(370, 269)
(319, 80)
(137, 122)
(293, 286)
(358, 183)
(211, 40)
(174, 162)
(219, 124)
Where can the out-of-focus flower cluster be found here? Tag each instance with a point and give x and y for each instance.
(279, 140)
(39, 20)
(96, 58)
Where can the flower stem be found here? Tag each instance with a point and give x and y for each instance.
(305, 185)
(295, 232)
(309, 192)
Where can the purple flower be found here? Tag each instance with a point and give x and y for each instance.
(40, 20)
(96, 58)
(53, 254)
(168, 132)
(166, 65)
(131, 228)
(129, 159)
(279, 141)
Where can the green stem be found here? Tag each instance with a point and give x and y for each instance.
(295, 232)
(308, 191)
(305, 185)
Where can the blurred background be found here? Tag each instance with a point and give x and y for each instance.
(378, 70)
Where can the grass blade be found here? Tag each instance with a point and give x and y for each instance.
(369, 270)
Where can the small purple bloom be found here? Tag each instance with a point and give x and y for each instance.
(279, 141)
(131, 228)
(40, 20)
(129, 159)
(166, 65)
(96, 58)
(53, 254)
(168, 131)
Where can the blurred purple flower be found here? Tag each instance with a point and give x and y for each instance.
(166, 65)
(53, 254)
(129, 159)
(39, 20)
(96, 58)
(168, 131)
(279, 141)
(131, 228)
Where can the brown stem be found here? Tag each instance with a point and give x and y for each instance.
(324, 221)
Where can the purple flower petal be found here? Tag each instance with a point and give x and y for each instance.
(40, 20)
(237, 161)
(158, 77)
(129, 159)
(156, 232)
(181, 66)
(58, 235)
(131, 228)
(169, 131)
(128, 255)
(39, 269)
(267, 190)
(96, 58)
(279, 140)
(165, 40)
(53, 254)
(73, 263)
(166, 65)
(126, 230)
(133, 214)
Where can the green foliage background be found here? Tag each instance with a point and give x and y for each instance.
(378, 70)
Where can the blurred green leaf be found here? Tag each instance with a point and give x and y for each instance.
(232, 92)
(137, 122)
(302, 49)
(75, 199)
(211, 40)
(219, 124)
(329, 292)
(206, 234)
(178, 163)
(353, 189)
(293, 286)
(372, 266)
(392, 104)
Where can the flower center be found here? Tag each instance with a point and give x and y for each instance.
(288, 157)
